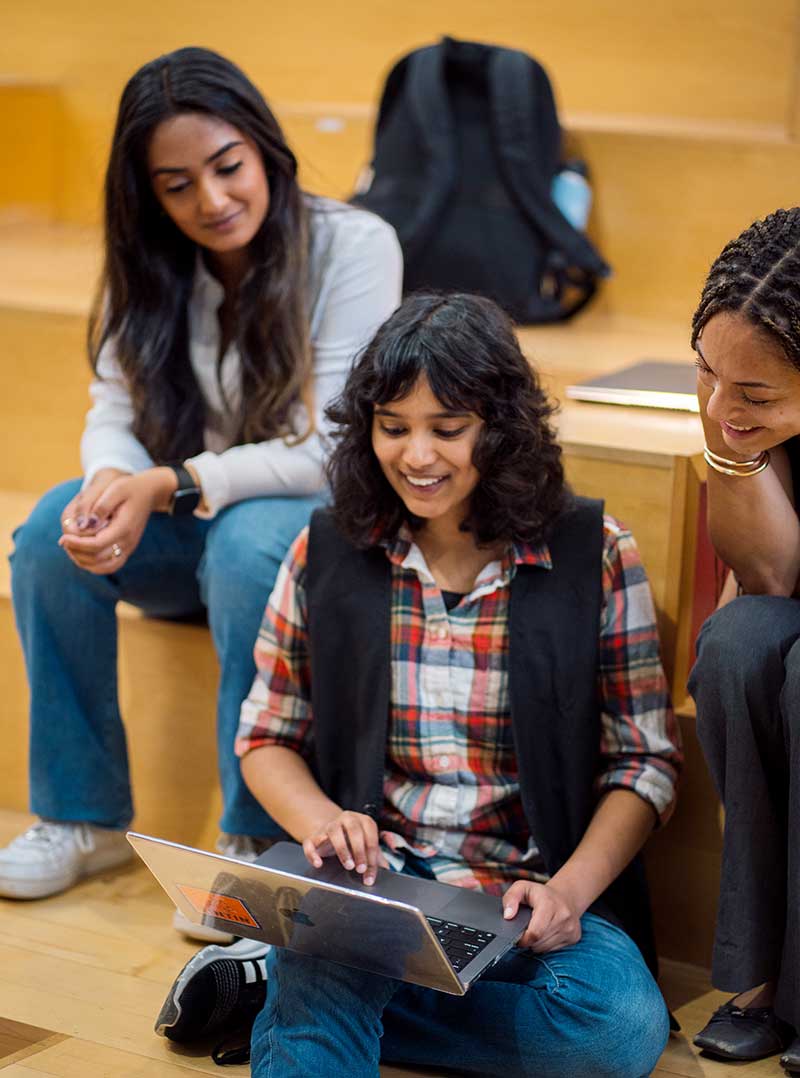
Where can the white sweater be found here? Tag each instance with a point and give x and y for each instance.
(356, 274)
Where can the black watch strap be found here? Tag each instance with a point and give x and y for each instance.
(187, 497)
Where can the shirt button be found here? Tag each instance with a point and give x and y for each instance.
(444, 762)
(441, 633)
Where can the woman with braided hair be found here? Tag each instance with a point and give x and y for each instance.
(746, 681)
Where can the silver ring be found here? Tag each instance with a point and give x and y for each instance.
(116, 550)
(65, 523)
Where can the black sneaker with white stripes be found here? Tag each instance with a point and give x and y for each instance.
(219, 991)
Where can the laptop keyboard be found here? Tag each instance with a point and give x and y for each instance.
(459, 942)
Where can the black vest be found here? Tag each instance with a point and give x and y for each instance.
(553, 643)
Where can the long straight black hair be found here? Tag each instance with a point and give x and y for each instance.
(143, 299)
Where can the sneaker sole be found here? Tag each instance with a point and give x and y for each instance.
(171, 1011)
(56, 885)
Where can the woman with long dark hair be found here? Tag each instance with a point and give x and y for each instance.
(746, 681)
(228, 314)
(459, 678)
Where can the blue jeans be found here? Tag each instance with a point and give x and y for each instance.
(591, 1009)
(67, 625)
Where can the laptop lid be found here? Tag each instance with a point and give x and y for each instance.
(329, 913)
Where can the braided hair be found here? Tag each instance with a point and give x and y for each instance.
(758, 276)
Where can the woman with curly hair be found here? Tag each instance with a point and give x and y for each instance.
(229, 311)
(746, 681)
(459, 678)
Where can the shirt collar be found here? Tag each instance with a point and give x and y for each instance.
(206, 289)
(402, 551)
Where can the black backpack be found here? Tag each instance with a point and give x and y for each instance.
(467, 145)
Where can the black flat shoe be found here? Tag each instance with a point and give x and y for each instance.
(790, 1060)
(744, 1033)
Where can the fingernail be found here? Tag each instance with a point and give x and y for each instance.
(81, 522)
(508, 912)
(361, 868)
(349, 865)
(369, 880)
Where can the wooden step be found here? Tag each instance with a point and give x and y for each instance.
(48, 267)
(31, 134)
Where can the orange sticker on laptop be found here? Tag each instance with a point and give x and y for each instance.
(214, 904)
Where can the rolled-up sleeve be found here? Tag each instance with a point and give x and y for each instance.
(640, 739)
(360, 285)
(277, 710)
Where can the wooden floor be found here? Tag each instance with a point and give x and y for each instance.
(83, 976)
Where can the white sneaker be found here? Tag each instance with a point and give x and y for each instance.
(50, 857)
(243, 848)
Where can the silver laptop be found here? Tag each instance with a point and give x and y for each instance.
(404, 927)
(651, 383)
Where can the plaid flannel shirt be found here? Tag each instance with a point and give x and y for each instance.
(451, 786)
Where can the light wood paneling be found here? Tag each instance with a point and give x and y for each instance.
(44, 380)
(712, 60)
(47, 267)
(30, 143)
(683, 861)
(666, 206)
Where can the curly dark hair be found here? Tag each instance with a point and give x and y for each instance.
(757, 275)
(466, 348)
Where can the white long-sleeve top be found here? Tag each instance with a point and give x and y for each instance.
(355, 270)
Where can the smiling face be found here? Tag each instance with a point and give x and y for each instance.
(425, 451)
(209, 178)
(746, 384)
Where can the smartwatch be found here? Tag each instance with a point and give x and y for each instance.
(187, 496)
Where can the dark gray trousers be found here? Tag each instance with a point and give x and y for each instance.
(746, 683)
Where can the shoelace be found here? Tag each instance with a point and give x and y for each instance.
(49, 834)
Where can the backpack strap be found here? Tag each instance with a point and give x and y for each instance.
(523, 119)
(429, 108)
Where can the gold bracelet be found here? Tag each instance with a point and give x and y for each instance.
(743, 474)
(728, 463)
